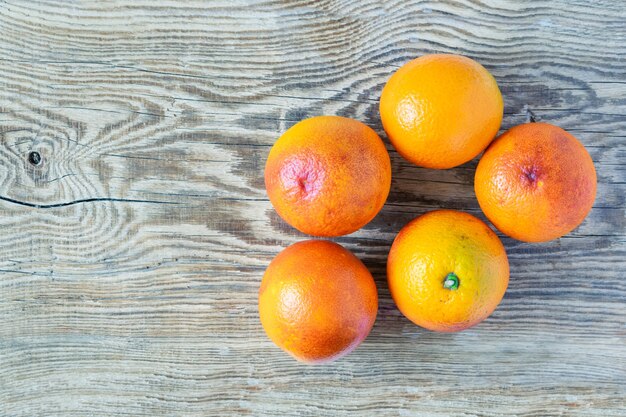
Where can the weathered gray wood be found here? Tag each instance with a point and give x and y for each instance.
(131, 257)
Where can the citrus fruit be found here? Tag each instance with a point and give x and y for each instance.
(317, 301)
(441, 110)
(328, 175)
(447, 271)
(536, 182)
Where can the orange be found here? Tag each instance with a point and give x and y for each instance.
(447, 271)
(441, 110)
(328, 175)
(536, 182)
(317, 301)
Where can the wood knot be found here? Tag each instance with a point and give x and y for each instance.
(34, 158)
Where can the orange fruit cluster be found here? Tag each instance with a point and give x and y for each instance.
(446, 270)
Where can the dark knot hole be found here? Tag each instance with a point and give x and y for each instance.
(34, 158)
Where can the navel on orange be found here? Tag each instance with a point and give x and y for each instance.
(441, 110)
(317, 301)
(447, 271)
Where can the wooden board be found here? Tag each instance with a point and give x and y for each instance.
(130, 258)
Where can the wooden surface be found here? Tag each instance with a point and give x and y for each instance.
(130, 259)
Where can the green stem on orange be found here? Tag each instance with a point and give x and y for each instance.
(451, 282)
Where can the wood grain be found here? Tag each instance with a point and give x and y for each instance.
(131, 256)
